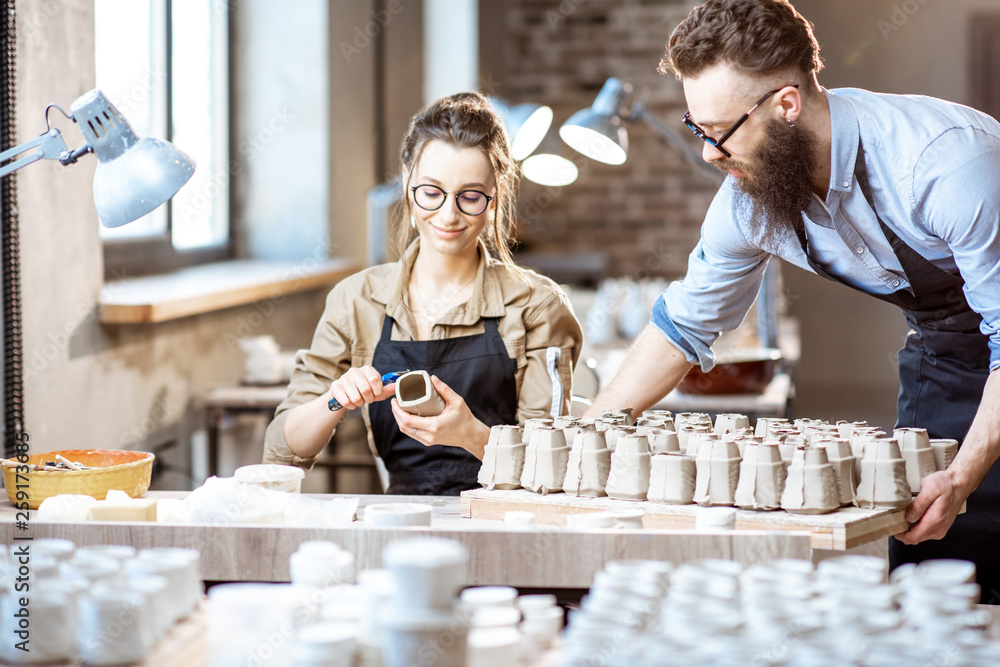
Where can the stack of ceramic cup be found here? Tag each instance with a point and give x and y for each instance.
(78, 597)
(938, 597)
(785, 613)
(494, 639)
(542, 621)
(623, 603)
(422, 618)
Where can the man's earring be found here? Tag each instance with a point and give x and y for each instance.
(413, 221)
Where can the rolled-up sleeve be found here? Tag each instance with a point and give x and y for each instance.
(724, 274)
(328, 357)
(549, 325)
(960, 204)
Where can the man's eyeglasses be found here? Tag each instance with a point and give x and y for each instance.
(431, 198)
(717, 143)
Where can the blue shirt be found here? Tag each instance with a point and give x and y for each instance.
(934, 172)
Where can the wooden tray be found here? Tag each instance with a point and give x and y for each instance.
(844, 529)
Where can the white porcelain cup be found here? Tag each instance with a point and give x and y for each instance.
(188, 560)
(55, 547)
(322, 564)
(49, 621)
(423, 637)
(113, 628)
(429, 572)
(386, 515)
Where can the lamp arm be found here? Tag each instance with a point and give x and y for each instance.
(51, 147)
(638, 113)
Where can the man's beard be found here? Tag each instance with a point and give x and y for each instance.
(777, 182)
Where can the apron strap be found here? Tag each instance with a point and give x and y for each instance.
(923, 276)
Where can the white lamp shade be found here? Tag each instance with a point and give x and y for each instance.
(549, 170)
(597, 136)
(527, 124)
(147, 175)
(133, 175)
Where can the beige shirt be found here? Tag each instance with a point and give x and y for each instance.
(534, 313)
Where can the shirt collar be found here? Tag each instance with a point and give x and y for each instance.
(486, 300)
(845, 134)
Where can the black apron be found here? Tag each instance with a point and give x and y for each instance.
(479, 370)
(943, 368)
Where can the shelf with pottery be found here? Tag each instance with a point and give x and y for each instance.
(844, 529)
(537, 556)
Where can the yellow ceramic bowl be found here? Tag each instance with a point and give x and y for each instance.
(124, 470)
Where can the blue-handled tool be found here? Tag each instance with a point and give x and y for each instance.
(388, 378)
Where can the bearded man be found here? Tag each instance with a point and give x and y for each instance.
(895, 196)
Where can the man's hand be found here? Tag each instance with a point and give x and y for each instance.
(934, 509)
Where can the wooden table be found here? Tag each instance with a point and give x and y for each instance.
(538, 557)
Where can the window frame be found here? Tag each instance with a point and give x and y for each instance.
(147, 255)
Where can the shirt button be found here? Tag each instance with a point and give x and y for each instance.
(846, 183)
(860, 250)
(895, 283)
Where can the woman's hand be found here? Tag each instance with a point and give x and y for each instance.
(359, 386)
(455, 426)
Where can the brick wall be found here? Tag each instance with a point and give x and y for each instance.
(646, 214)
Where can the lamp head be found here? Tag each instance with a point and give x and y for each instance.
(598, 131)
(133, 175)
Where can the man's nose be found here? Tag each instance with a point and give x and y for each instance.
(710, 153)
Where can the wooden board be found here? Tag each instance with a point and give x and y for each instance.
(536, 557)
(840, 530)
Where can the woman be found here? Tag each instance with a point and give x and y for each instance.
(499, 341)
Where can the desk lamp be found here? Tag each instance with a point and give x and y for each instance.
(528, 124)
(599, 132)
(133, 175)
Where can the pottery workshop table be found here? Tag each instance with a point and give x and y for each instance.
(538, 557)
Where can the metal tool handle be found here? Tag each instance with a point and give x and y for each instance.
(388, 378)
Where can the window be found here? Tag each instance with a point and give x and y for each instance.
(164, 64)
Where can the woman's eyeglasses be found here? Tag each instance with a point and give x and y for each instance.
(469, 202)
(717, 143)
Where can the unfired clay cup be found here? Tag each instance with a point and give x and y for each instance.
(671, 479)
(415, 394)
(883, 482)
(810, 487)
(503, 459)
(717, 472)
(729, 421)
(545, 462)
(915, 446)
(840, 455)
(589, 465)
(846, 428)
(766, 424)
(762, 478)
(629, 476)
(663, 441)
(694, 440)
(945, 450)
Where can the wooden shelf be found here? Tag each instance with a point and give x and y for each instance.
(211, 287)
